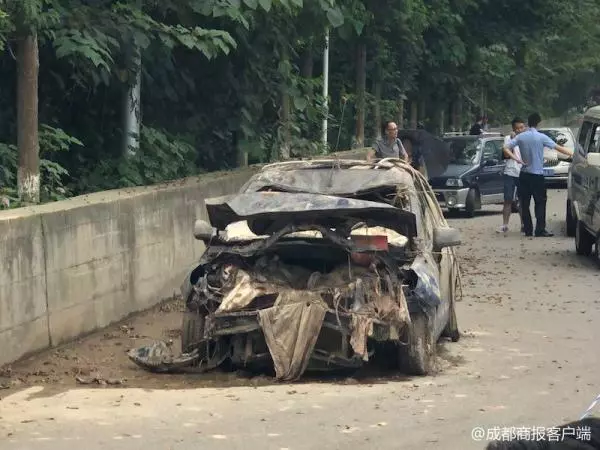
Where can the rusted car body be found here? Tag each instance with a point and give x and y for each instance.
(322, 264)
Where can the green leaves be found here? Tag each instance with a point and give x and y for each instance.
(93, 46)
(300, 103)
(53, 175)
(335, 17)
(265, 4)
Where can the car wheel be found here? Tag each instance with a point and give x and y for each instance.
(472, 203)
(570, 220)
(584, 241)
(192, 331)
(451, 331)
(416, 357)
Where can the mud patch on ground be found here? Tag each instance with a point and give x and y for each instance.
(102, 356)
(100, 361)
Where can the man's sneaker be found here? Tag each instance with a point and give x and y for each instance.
(502, 229)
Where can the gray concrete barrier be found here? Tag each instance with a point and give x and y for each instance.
(72, 267)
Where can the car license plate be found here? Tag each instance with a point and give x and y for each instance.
(548, 172)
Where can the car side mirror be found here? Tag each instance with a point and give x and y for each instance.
(491, 162)
(593, 159)
(203, 231)
(445, 237)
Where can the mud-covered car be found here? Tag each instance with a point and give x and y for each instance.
(318, 265)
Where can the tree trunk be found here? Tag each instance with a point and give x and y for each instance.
(285, 123)
(377, 124)
(442, 120)
(361, 82)
(28, 175)
(306, 69)
(422, 111)
(284, 117)
(132, 115)
(401, 113)
(307, 63)
(456, 122)
(414, 114)
(132, 107)
(241, 153)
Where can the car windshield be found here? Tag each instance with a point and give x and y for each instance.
(557, 135)
(464, 152)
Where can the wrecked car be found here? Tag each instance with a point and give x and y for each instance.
(319, 265)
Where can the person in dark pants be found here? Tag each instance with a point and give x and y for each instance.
(477, 127)
(531, 180)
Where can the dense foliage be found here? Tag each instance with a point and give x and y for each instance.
(227, 82)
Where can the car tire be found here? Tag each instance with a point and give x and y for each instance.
(417, 356)
(571, 223)
(192, 331)
(451, 331)
(584, 241)
(472, 203)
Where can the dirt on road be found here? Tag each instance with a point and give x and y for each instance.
(489, 263)
(527, 358)
(100, 360)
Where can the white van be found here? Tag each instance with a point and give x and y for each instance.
(583, 186)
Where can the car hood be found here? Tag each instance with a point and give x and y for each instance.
(304, 208)
(456, 170)
(452, 171)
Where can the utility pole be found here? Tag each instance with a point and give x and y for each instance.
(132, 109)
(325, 87)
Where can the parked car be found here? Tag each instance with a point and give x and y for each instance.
(474, 175)
(318, 265)
(556, 165)
(583, 186)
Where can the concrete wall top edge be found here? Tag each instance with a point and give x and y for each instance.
(124, 193)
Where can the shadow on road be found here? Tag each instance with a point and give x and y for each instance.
(481, 213)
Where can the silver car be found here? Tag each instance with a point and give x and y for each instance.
(556, 165)
(583, 189)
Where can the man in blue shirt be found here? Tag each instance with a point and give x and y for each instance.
(531, 179)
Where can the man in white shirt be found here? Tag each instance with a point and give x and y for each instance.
(512, 171)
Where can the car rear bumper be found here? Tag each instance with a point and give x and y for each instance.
(332, 349)
(559, 173)
(452, 198)
(219, 325)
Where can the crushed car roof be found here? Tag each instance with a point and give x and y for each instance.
(331, 177)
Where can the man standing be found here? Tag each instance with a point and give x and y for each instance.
(388, 146)
(477, 127)
(531, 179)
(511, 174)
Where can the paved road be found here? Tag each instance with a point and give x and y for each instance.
(528, 358)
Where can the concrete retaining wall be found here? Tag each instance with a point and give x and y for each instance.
(72, 267)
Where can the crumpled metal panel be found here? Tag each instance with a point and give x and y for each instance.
(427, 292)
(329, 181)
(223, 211)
